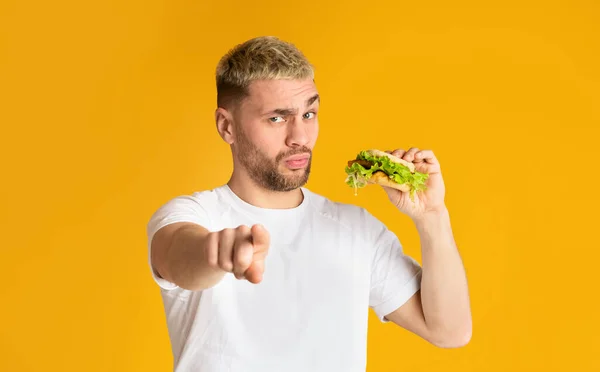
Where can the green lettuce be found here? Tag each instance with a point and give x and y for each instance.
(357, 175)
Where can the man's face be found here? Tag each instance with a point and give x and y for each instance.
(275, 130)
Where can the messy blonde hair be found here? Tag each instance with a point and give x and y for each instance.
(261, 58)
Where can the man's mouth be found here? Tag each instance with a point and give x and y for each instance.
(297, 161)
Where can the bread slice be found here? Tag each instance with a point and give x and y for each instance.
(380, 178)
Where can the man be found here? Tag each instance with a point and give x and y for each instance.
(262, 274)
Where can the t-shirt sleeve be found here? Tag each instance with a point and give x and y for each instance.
(186, 208)
(395, 277)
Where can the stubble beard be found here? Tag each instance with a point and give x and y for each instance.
(265, 171)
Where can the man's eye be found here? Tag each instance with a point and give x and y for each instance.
(309, 115)
(277, 119)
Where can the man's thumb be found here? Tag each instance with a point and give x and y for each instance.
(254, 274)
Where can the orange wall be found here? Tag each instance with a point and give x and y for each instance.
(107, 112)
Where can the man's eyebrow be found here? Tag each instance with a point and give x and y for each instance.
(312, 100)
(289, 112)
(282, 112)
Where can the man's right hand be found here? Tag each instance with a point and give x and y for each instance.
(241, 251)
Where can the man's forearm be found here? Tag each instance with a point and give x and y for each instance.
(444, 289)
(186, 260)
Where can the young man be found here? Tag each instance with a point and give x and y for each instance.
(262, 274)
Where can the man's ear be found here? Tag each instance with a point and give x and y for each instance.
(224, 121)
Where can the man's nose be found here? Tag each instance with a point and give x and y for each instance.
(298, 134)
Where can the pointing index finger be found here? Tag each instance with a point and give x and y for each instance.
(260, 236)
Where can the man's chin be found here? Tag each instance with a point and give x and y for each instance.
(296, 179)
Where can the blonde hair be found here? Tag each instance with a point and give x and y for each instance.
(261, 58)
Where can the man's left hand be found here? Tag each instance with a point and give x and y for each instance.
(431, 200)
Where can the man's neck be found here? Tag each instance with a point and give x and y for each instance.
(259, 197)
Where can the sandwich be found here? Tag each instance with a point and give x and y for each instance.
(382, 168)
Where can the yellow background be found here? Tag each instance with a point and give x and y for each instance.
(107, 112)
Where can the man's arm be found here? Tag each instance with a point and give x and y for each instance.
(193, 258)
(440, 311)
(178, 255)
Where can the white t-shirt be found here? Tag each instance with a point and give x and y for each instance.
(327, 264)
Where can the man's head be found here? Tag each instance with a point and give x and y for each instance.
(267, 111)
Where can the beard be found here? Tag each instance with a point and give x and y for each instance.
(264, 171)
